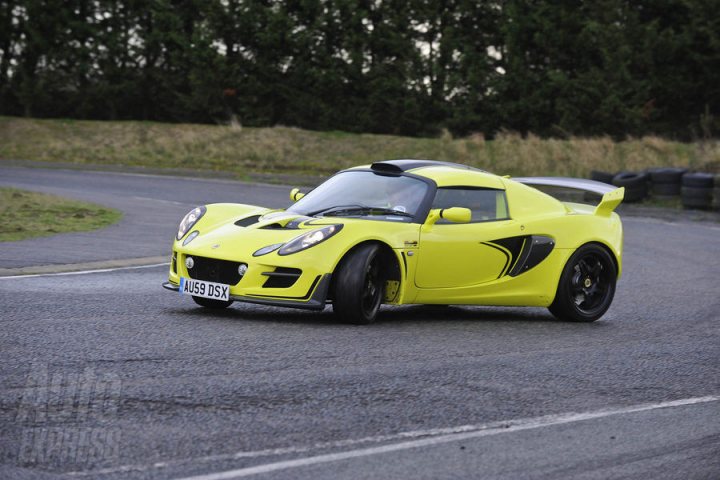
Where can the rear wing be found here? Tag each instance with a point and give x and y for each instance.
(611, 195)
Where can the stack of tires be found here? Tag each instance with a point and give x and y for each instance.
(697, 190)
(636, 185)
(666, 182)
(605, 177)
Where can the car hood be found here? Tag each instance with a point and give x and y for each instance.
(238, 235)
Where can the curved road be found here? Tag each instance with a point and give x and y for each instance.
(105, 375)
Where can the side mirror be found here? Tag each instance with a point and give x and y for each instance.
(456, 214)
(296, 194)
(453, 214)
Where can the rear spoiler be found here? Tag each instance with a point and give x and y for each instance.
(611, 195)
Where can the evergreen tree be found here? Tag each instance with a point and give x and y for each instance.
(409, 67)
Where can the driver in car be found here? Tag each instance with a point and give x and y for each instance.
(405, 198)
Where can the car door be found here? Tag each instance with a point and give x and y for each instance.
(455, 255)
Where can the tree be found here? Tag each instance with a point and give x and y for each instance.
(403, 67)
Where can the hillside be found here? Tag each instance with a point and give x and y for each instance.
(280, 150)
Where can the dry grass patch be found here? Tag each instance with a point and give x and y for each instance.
(240, 151)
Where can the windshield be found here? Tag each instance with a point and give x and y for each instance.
(365, 194)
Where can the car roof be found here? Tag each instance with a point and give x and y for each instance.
(444, 174)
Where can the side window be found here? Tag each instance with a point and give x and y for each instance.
(486, 204)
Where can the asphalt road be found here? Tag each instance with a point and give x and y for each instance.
(152, 207)
(106, 375)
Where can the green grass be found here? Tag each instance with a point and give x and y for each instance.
(242, 151)
(28, 214)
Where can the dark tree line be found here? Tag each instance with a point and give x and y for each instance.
(410, 67)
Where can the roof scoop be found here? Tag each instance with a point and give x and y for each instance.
(399, 166)
(386, 167)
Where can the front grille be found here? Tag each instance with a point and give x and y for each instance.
(214, 270)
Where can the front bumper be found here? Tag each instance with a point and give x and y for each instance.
(316, 297)
(301, 280)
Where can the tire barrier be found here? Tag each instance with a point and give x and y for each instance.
(605, 177)
(666, 182)
(635, 185)
(697, 190)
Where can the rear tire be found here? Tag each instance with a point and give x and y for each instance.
(587, 285)
(359, 286)
(210, 303)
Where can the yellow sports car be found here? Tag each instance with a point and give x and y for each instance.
(407, 232)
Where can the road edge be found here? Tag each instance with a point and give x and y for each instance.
(84, 266)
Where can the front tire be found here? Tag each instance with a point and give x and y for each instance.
(210, 303)
(587, 285)
(359, 286)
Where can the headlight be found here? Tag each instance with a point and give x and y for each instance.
(190, 237)
(309, 239)
(268, 249)
(189, 220)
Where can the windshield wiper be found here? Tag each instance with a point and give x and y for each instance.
(391, 211)
(346, 209)
(338, 208)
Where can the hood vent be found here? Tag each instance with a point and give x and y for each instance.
(293, 224)
(246, 222)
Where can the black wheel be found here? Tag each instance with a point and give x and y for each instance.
(210, 303)
(587, 285)
(359, 286)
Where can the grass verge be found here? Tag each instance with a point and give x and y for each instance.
(282, 150)
(29, 214)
